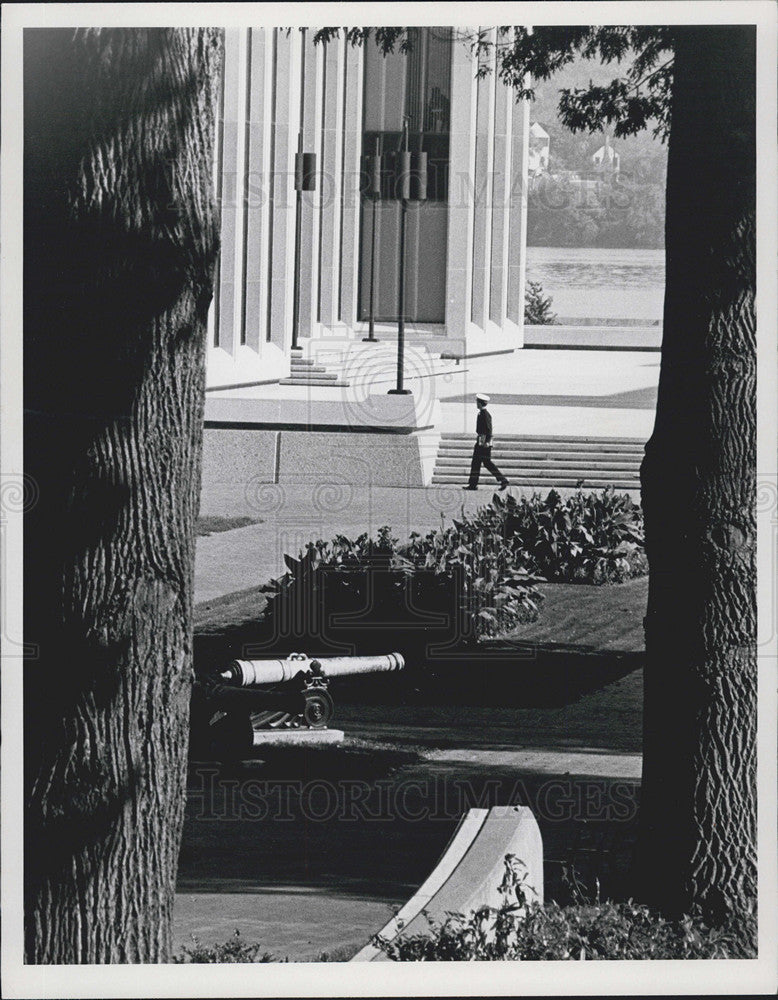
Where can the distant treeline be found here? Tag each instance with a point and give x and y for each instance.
(622, 212)
(629, 213)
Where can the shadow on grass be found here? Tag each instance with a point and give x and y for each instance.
(499, 672)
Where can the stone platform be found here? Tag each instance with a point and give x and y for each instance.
(297, 737)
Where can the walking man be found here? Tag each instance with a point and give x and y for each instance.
(482, 452)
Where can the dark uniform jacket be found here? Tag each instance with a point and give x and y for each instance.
(483, 428)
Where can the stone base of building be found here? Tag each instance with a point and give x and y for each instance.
(381, 440)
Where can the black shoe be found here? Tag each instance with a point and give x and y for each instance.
(504, 486)
(469, 487)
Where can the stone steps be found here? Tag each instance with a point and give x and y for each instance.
(305, 371)
(545, 461)
(313, 376)
(511, 461)
(488, 483)
(552, 441)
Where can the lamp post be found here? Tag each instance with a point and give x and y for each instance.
(374, 191)
(412, 184)
(304, 180)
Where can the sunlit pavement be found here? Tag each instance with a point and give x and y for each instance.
(575, 393)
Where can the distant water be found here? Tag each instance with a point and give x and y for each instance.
(587, 285)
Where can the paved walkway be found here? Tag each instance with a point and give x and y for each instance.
(338, 915)
(333, 856)
(579, 392)
(286, 921)
(576, 393)
(302, 922)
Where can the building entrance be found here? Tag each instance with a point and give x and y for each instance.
(417, 86)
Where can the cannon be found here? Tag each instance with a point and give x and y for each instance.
(252, 697)
(248, 673)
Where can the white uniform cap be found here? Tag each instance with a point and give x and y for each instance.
(482, 397)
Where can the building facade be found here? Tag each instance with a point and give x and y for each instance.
(465, 242)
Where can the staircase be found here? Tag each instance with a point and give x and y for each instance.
(545, 461)
(305, 371)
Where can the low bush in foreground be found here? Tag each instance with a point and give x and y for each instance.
(600, 931)
(526, 931)
(521, 929)
(232, 950)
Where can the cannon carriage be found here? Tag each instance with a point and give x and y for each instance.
(238, 707)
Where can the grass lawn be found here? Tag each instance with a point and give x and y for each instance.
(587, 618)
(572, 616)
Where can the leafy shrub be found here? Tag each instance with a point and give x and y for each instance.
(498, 592)
(473, 579)
(521, 929)
(537, 307)
(603, 931)
(232, 950)
(455, 584)
(587, 538)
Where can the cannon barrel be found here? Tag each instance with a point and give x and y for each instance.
(248, 673)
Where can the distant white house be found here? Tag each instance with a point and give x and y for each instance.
(539, 144)
(606, 158)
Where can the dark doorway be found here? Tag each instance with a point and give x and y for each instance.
(416, 85)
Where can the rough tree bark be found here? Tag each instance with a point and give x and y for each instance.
(119, 251)
(699, 489)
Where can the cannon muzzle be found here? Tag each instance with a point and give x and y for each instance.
(252, 673)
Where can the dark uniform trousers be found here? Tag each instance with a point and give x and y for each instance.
(482, 453)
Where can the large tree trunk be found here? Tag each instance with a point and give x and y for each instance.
(118, 269)
(698, 480)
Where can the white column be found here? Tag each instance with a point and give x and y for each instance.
(213, 311)
(484, 143)
(309, 252)
(517, 248)
(257, 187)
(352, 150)
(286, 125)
(230, 312)
(459, 260)
(501, 183)
(330, 190)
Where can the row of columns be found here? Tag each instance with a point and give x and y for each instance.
(488, 201)
(276, 81)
